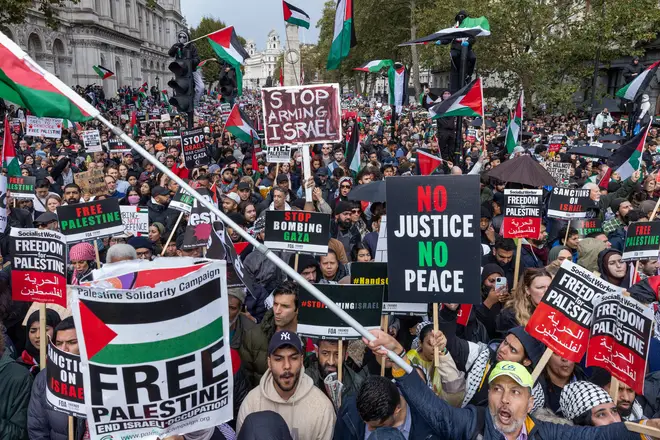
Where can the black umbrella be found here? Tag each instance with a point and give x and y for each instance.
(370, 192)
(610, 146)
(523, 170)
(526, 135)
(590, 151)
(611, 138)
(489, 123)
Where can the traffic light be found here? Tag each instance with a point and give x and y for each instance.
(183, 85)
(227, 82)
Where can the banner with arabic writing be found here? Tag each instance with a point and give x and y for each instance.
(619, 340)
(522, 213)
(563, 317)
(38, 260)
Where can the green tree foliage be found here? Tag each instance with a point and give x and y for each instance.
(211, 71)
(546, 47)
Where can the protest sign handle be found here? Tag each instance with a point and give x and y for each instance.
(176, 225)
(614, 389)
(516, 271)
(71, 428)
(655, 210)
(307, 170)
(277, 169)
(642, 429)
(384, 323)
(295, 262)
(288, 270)
(340, 360)
(568, 228)
(43, 339)
(96, 251)
(542, 363)
(436, 350)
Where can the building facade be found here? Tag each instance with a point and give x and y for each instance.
(124, 36)
(262, 65)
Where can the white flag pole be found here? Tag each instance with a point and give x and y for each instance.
(258, 246)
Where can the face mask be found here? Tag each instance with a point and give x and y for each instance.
(133, 200)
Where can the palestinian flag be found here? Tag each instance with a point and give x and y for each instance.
(469, 28)
(605, 181)
(295, 16)
(354, 149)
(635, 88)
(140, 332)
(102, 72)
(134, 125)
(515, 125)
(26, 84)
(165, 99)
(398, 84)
(628, 157)
(75, 126)
(9, 159)
(469, 101)
(344, 34)
(375, 66)
(204, 62)
(427, 162)
(226, 46)
(428, 100)
(239, 126)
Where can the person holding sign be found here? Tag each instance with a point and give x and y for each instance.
(33, 345)
(43, 421)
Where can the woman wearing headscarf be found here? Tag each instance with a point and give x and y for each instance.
(556, 257)
(612, 269)
(33, 343)
(81, 256)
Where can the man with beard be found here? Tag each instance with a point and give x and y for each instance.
(502, 255)
(71, 194)
(342, 227)
(286, 390)
(534, 252)
(510, 401)
(227, 183)
(627, 405)
(325, 361)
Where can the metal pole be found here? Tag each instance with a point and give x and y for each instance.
(594, 80)
(458, 150)
(258, 246)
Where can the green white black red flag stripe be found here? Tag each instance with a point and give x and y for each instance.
(635, 88)
(468, 101)
(102, 72)
(239, 125)
(295, 16)
(375, 66)
(628, 157)
(469, 28)
(344, 34)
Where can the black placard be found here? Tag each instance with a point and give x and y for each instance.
(362, 303)
(569, 203)
(64, 384)
(642, 241)
(118, 146)
(434, 239)
(298, 231)
(195, 152)
(91, 220)
(182, 201)
(21, 187)
(587, 226)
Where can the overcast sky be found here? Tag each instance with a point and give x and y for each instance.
(253, 19)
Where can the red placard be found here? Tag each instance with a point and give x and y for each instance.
(529, 227)
(522, 213)
(619, 341)
(463, 315)
(562, 319)
(301, 114)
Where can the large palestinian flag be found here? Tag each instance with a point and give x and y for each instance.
(160, 321)
(226, 46)
(469, 28)
(354, 149)
(374, 66)
(398, 85)
(628, 157)
(515, 125)
(635, 88)
(469, 101)
(25, 83)
(343, 38)
(427, 162)
(239, 125)
(295, 16)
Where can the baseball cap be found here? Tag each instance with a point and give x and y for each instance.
(322, 171)
(45, 218)
(243, 186)
(233, 196)
(515, 371)
(284, 338)
(159, 191)
(282, 178)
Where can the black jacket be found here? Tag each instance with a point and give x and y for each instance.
(509, 269)
(351, 380)
(45, 423)
(17, 218)
(15, 384)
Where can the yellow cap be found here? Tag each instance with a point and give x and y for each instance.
(515, 371)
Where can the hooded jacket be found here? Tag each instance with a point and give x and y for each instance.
(254, 351)
(308, 413)
(588, 251)
(264, 425)
(15, 384)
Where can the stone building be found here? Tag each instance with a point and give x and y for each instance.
(124, 36)
(261, 64)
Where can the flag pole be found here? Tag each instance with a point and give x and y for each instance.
(288, 270)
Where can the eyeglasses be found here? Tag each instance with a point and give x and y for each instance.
(356, 211)
(144, 254)
(345, 186)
